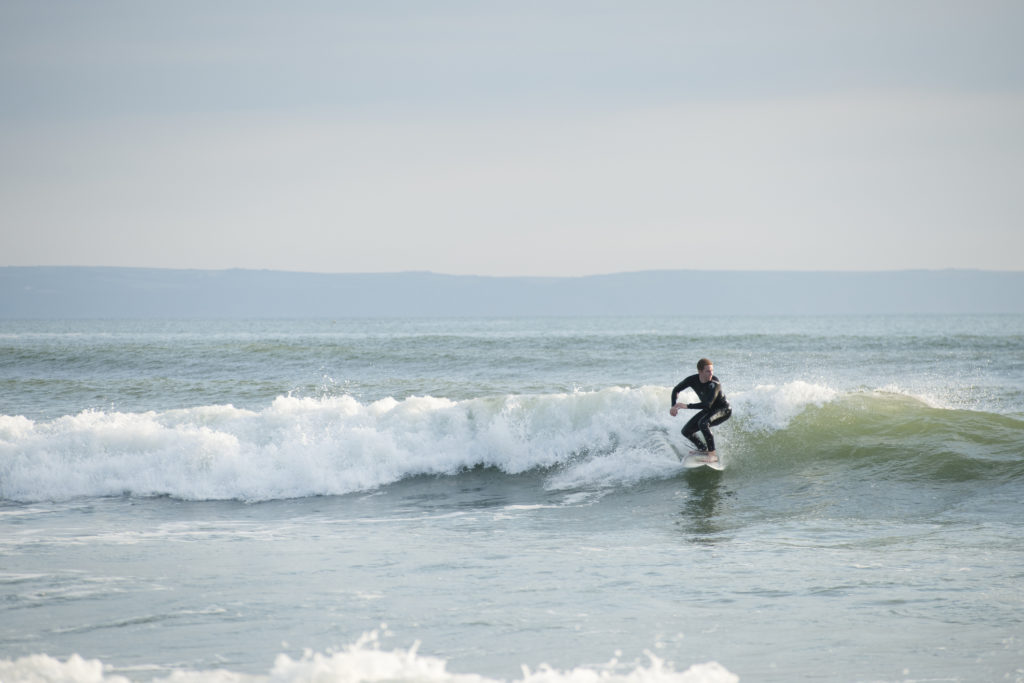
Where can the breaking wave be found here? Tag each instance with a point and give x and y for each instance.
(299, 447)
(363, 661)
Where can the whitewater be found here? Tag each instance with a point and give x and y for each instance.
(493, 499)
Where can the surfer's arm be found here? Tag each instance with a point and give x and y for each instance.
(675, 395)
(675, 392)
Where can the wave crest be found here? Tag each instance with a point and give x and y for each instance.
(366, 662)
(298, 447)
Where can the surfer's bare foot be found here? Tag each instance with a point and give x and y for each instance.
(712, 456)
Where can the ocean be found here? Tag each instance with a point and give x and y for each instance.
(475, 500)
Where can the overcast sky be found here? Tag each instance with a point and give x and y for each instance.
(513, 138)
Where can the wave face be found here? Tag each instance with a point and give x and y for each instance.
(902, 435)
(299, 447)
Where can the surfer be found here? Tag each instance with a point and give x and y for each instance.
(714, 409)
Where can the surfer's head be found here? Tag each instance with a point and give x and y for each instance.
(705, 369)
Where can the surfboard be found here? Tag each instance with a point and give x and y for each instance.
(690, 459)
(700, 459)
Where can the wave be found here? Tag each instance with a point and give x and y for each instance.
(894, 435)
(299, 447)
(365, 661)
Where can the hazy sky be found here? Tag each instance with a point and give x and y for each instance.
(513, 138)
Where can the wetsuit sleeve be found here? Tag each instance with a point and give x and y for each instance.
(675, 392)
(686, 383)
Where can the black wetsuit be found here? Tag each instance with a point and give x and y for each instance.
(714, 409)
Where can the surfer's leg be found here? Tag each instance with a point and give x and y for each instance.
(710, 420)
(691, 429)
(720, 416)
(705, 428)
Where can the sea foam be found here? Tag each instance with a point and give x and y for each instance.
(298, 447)
(363, 661)
(773, 407)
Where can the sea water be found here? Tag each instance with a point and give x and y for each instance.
(492, 499)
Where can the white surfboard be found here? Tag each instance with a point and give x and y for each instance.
(701, 459)
(691, 458)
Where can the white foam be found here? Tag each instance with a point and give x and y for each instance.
(772, 407)
(622, 467)
(300, 447)
(44, 669)
(363, 662)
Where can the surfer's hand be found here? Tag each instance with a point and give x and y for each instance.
(673, 411)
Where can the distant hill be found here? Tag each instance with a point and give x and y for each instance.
(85, 292)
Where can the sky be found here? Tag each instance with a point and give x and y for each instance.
(513, 138)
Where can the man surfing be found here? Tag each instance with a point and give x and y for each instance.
(714, 409)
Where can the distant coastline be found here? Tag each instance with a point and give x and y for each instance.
(108, 292)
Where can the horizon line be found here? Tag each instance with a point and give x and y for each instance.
(521, 277)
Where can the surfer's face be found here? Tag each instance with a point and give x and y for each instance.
(705, 375)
